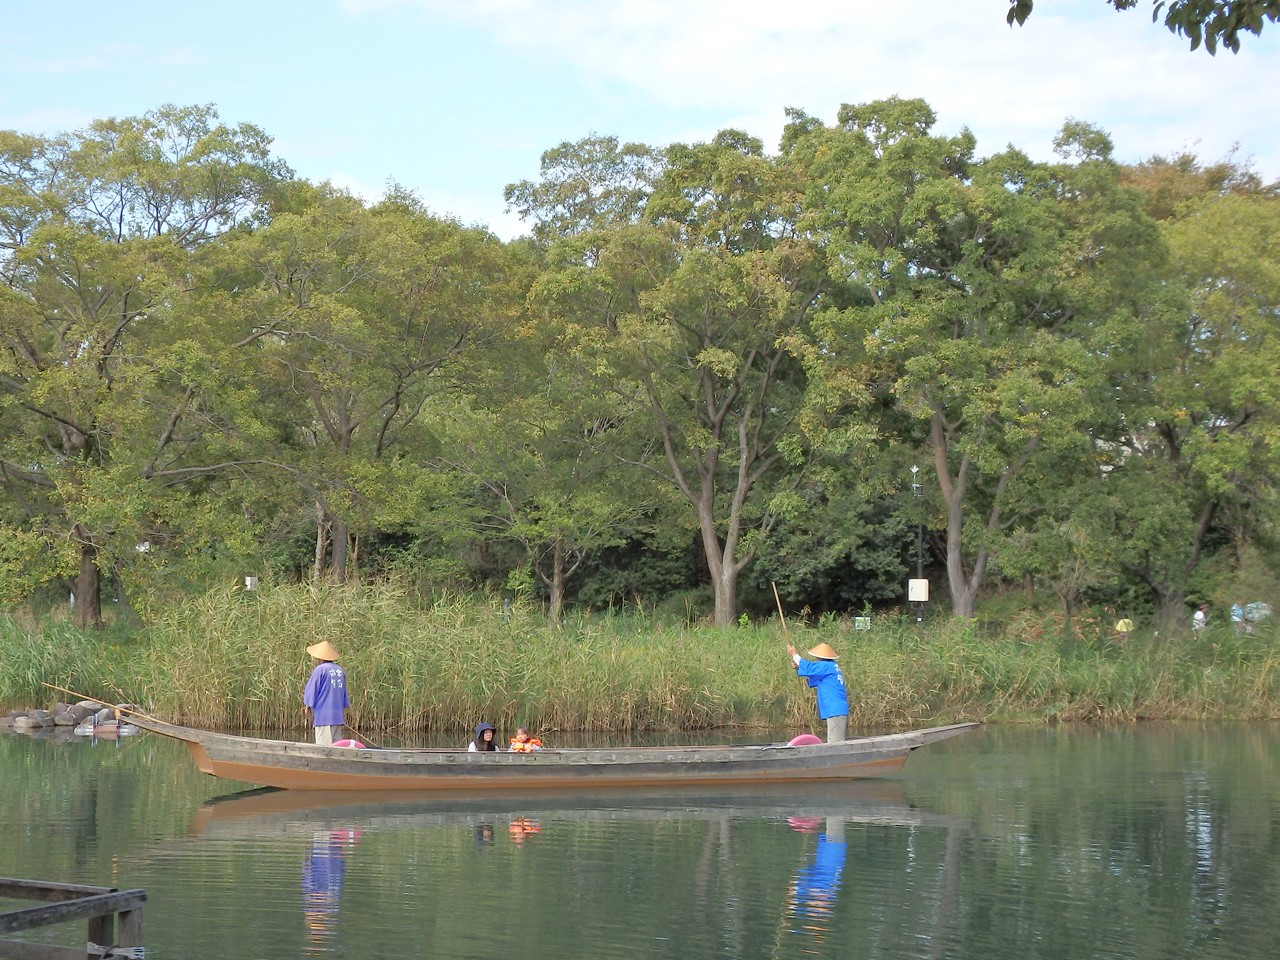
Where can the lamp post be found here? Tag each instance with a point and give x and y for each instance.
(918, 589)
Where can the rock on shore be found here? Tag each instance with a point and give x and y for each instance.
(87, 718)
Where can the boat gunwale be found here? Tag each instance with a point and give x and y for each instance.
(309, 766)
(265, 746)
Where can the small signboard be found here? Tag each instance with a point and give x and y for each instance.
(862, 623)
(918, 591)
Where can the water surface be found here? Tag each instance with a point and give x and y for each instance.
(1135, 842)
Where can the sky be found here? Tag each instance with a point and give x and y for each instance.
(455, 99)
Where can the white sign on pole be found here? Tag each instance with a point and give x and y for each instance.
(918, 591)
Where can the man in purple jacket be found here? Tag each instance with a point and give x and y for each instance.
(326, 693)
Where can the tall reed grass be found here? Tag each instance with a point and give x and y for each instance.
(236, 660)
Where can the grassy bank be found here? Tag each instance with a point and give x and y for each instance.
(231, 660)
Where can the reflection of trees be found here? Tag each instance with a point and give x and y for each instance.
(1148, 842)
(715, 853)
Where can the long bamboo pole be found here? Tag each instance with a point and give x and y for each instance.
(781, 616)
(118, 709)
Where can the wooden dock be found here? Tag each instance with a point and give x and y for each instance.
(114, 917)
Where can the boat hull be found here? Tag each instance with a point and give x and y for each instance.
(305, 766)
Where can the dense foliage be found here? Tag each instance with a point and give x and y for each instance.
(707, 371)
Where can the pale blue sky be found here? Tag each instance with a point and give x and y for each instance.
(456, 98)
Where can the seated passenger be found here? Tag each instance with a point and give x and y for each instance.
(523, 743)
(484, 741)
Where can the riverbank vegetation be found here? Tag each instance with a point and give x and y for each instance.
(709, 368)
(236, 660)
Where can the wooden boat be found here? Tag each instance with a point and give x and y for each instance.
(307, 766)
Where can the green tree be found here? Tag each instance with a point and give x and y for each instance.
(359, 317)
(110, 380)
(977, 287)
(682, 318)
(539, 464)
(584, 185)
(1196, 397)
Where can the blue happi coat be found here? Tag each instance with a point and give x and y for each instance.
(828, 682)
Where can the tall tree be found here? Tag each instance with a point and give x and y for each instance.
(585, 185)
(682, 317)
(537, 460)
(1196, 396)
(978, 283)
(109, 380)
(359, 316)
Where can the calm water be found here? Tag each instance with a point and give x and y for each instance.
(1148, 842)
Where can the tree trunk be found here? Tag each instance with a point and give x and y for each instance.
(1171, 607)
(726, 594)
(953, 490)
(555, 585)
(964, 589)
(720, 565)
(1068, 598)
(88, 592)
(322, 544)
(339, 538)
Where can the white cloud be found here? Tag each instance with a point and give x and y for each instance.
(456, 98)
(749, 60)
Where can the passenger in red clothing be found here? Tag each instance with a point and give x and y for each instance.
(523, 743)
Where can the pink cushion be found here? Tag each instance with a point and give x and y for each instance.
(804, 740)
(347, 743)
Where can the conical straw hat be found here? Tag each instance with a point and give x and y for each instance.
(824, 651)
(323, 651)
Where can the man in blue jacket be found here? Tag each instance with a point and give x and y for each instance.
(823, 674)
(326, 693)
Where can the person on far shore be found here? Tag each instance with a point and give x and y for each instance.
(326, 693)
(823, 674)
(1200, 618)
(486, 739)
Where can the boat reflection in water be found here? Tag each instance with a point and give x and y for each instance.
(267, 811)
(332, 823)
(323, 872)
